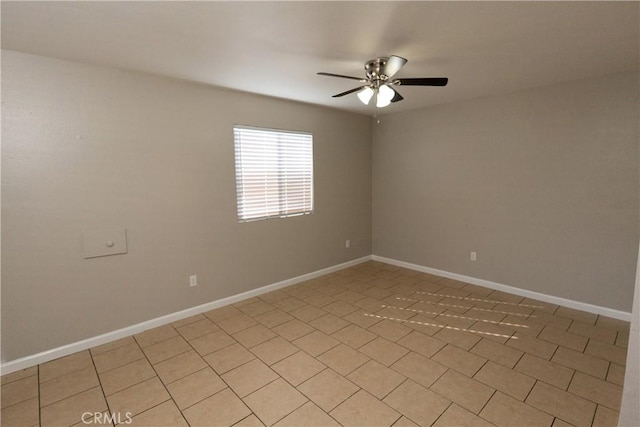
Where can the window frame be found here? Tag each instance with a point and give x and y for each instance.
(308, 207)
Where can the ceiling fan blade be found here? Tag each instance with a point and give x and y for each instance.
(344, 77)
(426, 81)
(397, 97)
(348, 92)
(393, 65)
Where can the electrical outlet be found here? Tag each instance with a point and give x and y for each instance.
(347, 244)
(193, 280)
(473, 256)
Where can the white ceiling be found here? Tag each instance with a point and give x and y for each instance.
(276, 48)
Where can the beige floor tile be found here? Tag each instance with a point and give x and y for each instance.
(362, 318)
(462, 361)
(298, 368)
(64, 365)
(256, 308)
(559, 423)
(289, 304)
(329, 323)
(424, 324)
(316, 343)
(155, 335)
(307, 313)
(138, 398)
(372, 302)
(459, 338)
(195, 387)
(552, 320)
(179, 366)
(275, 401)
(420, 369)
(328, 389)
(197, 329)
(464, 391)
(69, 411)
(19, 375)
(607, 352)
(166, 349)
(222, 313)
(308, 415)
(395, 312)
(209, 343)
(581, 316)
(526, 326)
(417, 403)
(112, 345)
(249, 377)
(611, 323)
(67, 385)
(362, 409)
(459, 417)
(319, 300)
(229, 358)
(164, 415)
(293, 329)
(494, 315)
(622, 340)
(250, 421)
(505, 411)
(531, 345)
(549, 372)
(506, 380)
(596, 390)
(26, 413)
(354, 336)
(117, 357)
(273, 318)
(421, 343)
(455, 319)
(565, 339)
(253, 336)
(221, 409)
(497, 333)
(343, 359)
(180, 323)
(376, 379)
(605, 417)
(499, 353)
(384, 351)
(581, 362)
(349, 297)
(236, 323)
(616, 374)
(126, 376)
(390, 330)
(600, 333)
(404, 422)
(19, 391)
(274, 350)
(566, 406)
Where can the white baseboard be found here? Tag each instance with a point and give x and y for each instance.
(45, 356)
(609, 312)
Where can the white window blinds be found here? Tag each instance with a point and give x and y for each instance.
(274, 173)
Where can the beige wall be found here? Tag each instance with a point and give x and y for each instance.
(543, 184)
(87, 148)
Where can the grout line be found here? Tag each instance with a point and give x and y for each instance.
(100, 385)
(39, 394)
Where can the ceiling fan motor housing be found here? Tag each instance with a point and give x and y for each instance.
(372, 69)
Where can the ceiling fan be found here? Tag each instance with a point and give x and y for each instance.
(377, 81)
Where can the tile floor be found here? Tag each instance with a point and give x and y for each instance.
(372, 345)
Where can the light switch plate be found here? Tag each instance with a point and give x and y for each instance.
(99, 243)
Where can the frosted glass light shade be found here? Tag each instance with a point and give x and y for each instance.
(385, 95)
(365, 95)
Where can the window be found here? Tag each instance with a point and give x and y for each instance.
(274, 173)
